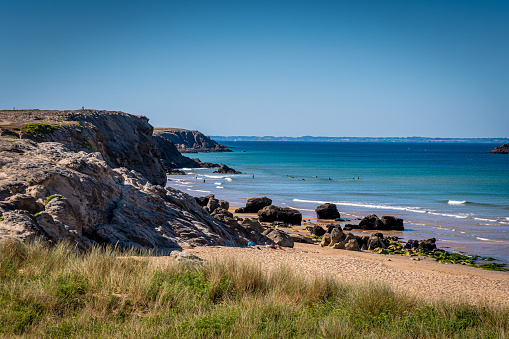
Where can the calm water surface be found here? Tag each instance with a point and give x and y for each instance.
(451, 191)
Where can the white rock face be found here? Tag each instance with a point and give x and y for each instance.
(49, 191)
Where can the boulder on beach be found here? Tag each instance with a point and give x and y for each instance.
(316, 230)
(372, 222)
(302, 239)
(275, 213)
(279, 237)
(253, 205)
(327, 211)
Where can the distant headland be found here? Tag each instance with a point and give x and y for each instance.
(361, 139)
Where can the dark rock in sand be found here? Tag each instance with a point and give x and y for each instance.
(316, 230)
(375, 241)
(327, 211)
(253, 205)
(226, 170)
(421, 245)
(392, 223)
(279, 224)
(372, 222)
(279, 237)
(302, 239)
(275, 213)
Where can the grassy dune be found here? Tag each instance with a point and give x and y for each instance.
(57, 293)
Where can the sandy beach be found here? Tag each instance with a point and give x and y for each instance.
(420, 276)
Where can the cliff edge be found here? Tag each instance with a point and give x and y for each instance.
(95, 177)
(188, 141)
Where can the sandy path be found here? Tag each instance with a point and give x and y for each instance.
(425, 278)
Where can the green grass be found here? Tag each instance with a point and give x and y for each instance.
(40, 130)
(57, 293)
(51, 197)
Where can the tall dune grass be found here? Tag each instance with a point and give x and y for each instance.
(57, 293)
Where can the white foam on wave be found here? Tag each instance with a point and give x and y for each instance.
(203, 191)
(213, 176)
(228, 179)
(483, 239)
(456, 202)
(353, 204)
(483, 219)
(388, 207)
(219, 187)
(218, 183)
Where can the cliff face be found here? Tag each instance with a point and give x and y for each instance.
(502, 149)
(190, 141)
(124, 140)
(77, 190)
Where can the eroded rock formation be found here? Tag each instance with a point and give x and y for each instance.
(190, 141)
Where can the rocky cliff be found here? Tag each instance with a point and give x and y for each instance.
(94, 177)
(502, 149)
(190, 141)
(124, 140)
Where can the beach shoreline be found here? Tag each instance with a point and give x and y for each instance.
(417, 275)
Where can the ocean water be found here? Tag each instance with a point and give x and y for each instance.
(454, 192)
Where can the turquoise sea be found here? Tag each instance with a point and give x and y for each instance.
(454, 192)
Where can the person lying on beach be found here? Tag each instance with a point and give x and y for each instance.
(267, 245)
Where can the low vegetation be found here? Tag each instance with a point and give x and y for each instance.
(40, 130)
(56, 293)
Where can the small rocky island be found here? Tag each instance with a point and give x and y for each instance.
(502, 149)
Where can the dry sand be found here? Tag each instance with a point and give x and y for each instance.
(426, 278)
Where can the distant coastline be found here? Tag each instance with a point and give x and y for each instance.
(220, 138)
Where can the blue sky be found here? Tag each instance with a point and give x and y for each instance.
(283, 68)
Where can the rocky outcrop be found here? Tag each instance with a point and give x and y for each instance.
(124, 140)
(190, 141)
(210, 203)
(337, 239)
(372, 222)
(226, 170)
(48, 190)
(275, 213)
(502, 149)
(327, 211)
(253, 205)
(172, 159)
(302, 239)
(279, 237)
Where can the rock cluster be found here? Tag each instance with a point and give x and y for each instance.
(210, 203)
(253, 205)
(372, 222)
(327, 211)
(275, 213)
(336, 238)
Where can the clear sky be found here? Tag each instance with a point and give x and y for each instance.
(433, 68)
